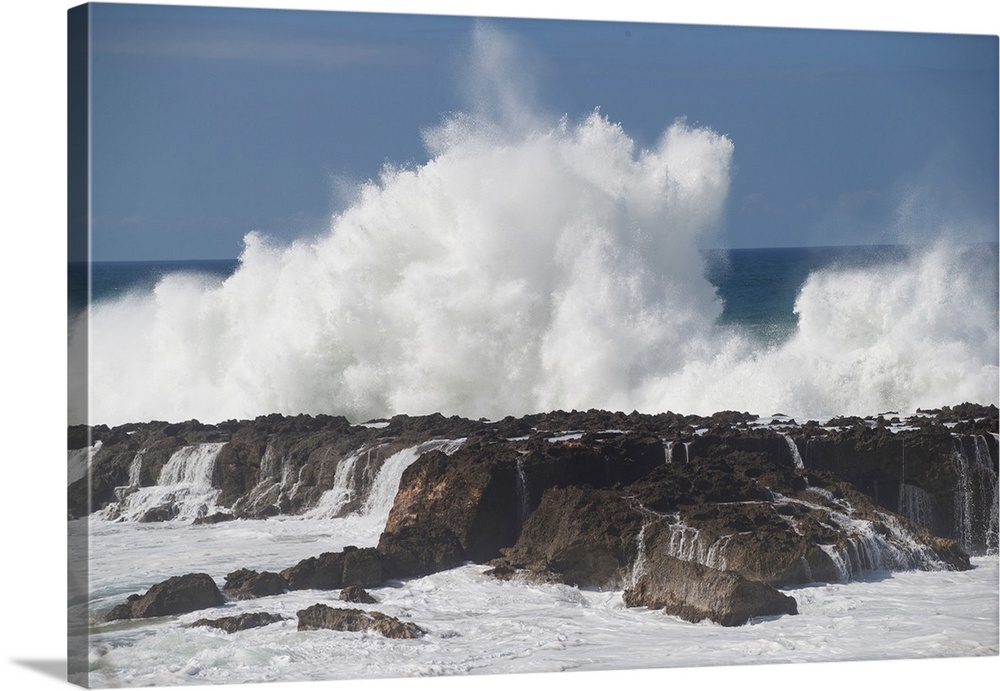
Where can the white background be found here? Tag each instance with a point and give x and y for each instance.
(33, 335)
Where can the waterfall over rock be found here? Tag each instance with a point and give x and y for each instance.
(183, 491)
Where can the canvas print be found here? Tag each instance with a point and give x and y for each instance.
(414, 345)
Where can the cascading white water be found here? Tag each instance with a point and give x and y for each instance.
(794, 451)
(871, 545)
(916, 505)
(269, 477)
(975, 520)
(688, 544)
(522, 492)
(345, 488)
(962, 517)
(640, 564)
(383, 491)
(987, 490)
(183, 491)
(134, 472)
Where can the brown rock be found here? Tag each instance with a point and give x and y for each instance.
(362, 567)
(241, 622)
(357, 594)
(414, 551)
(695, 592)
(176, 595)
(325, 572)
(321, 616)
(584, 537)
(245, 584)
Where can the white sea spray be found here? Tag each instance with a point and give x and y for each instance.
(531, 264)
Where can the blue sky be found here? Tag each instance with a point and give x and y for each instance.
(212, 122)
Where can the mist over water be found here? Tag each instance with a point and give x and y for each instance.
(525, 271)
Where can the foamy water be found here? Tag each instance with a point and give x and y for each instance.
(478, 625)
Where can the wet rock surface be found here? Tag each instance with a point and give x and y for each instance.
(321, 616)
(696, 592)
(241, 622)
(703, 517)
(176, 595)
(354, 593)
(245, 584)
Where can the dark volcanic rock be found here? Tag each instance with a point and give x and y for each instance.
(321, 616)
(414, 551)
(472, 495)
(160, 514)
(245, 584)
(241, 622)
(334, 570)
(484, 493)
(362, 567)
(740, 512)
(357, 594)
(212, 519)
(584, 537)
(325, 572)
(942, 478)
(695, 592)
(176, 595)
(589, 498)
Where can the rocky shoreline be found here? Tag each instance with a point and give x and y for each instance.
(701, 517)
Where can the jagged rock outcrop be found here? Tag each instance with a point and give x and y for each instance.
(738, 512)
(695, 592)
(595, 499)
(320, 616)
(334, 570)
(325, 572)
(414, 551)
(241, 622)
(474, 497)
(245, 584)
(484, 493)
(583, 537)
(938, 468)
(358, 595)
(176, 595)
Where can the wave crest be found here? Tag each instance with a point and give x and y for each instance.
(557, 271)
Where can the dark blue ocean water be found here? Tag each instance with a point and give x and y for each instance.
(111, 280)
(758, 286)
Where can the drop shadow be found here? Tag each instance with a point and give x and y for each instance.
(55, 668)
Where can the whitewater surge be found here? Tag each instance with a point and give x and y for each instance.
(558, 269)
(480, 625)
